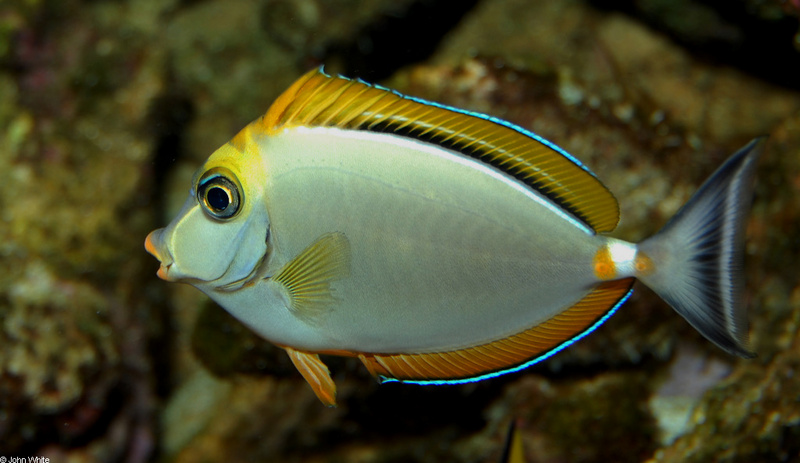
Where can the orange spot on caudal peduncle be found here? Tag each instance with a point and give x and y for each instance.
(643, 264)
(603, 263)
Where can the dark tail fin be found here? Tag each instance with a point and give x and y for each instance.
(697, 257)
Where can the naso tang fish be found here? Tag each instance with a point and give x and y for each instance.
(436, 245)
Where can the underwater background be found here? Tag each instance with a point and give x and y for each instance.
(108, 106)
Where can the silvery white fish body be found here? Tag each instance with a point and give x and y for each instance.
(435, 245)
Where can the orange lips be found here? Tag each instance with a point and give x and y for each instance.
(163, 271)
(149, 246)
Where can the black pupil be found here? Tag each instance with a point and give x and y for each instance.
(217, 198)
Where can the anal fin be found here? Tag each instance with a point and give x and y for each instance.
(316, 373)
(508, 354)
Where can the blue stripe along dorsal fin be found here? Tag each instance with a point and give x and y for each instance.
(317, 99)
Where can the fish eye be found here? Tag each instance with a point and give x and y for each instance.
(219, 194)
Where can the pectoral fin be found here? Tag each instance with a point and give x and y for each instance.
(307, 278)
(316, 373)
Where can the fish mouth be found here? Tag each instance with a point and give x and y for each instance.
(150, 245)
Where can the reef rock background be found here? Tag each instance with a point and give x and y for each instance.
(107, 107)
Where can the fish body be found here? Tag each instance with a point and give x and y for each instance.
(434, 244)
(407, 287)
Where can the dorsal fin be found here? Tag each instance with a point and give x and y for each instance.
(317, 99)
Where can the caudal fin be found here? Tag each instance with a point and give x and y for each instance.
(697, 257)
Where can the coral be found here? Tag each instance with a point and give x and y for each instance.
(71, 170)
(569, 421)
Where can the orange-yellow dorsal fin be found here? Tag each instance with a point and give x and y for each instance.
(505, 355)
(317, 99)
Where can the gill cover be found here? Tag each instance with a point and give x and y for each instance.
(217, 236)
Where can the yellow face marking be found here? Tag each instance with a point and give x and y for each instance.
(240, 141)
(604, 267)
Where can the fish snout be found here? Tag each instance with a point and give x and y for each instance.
(149, 243)
(153, 244)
